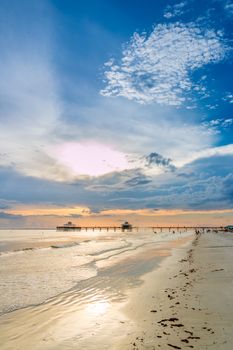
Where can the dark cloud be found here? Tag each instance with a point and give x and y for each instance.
(209, 187)
(228, 187)
(138, 181)
(158, 160)
(75, 216)
(26, 189)
(203, 184)
(185, 175)
(120, 181)
(4, 207)
(4, 215)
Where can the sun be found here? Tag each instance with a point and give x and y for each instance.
(92, 159)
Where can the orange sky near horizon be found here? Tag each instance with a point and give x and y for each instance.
(51, 216)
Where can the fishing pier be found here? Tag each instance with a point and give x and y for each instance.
(128, 227)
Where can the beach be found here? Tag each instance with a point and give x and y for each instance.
(191, 306)
(136, 290)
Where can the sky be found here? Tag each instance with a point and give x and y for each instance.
(116, 110)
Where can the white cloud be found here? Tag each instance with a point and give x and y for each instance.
(228, 97)
(157, 67)
(215, 126)
(205, 153)
(175, 10)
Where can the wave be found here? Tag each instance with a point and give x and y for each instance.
(60, 246)
(30, 249)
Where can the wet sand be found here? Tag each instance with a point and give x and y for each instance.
(188, 302)
(175, 294)
(88, 315)
(31, 274)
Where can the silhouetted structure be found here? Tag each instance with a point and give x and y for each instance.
(229, 228)
(126, 226)
(69, 226)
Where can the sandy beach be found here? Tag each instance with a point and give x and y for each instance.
(174, 292)
(187, 302)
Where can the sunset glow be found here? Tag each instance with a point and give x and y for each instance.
(91, 159)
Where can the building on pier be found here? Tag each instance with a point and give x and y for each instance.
(69, 226)
(126, 226)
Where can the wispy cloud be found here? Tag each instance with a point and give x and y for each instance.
(175, 10)
(161, 212)
(217, 125)
(228, 97)
(4, 215)
(30, 109)
(229, 7)
(225, 150)
(24, 210)
(139, 180)
(157, 67)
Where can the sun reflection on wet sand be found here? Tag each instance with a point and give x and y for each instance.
(99, 307)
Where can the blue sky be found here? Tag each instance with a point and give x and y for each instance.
(111, 107)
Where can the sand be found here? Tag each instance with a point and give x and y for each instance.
(188, 301)
(184, 301)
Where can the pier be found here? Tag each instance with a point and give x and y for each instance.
(154, 229)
